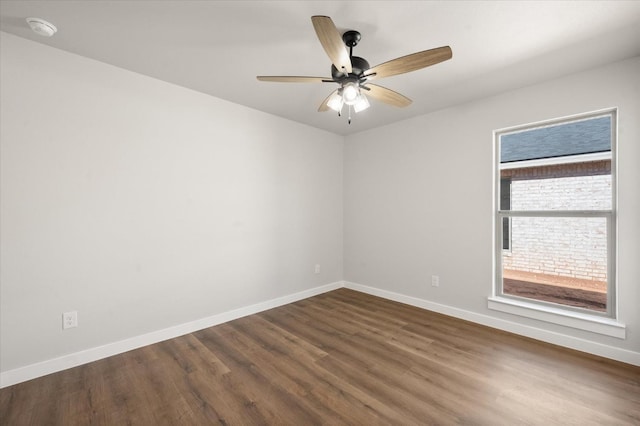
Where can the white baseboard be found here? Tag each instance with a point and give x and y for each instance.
(43, 368)
(40, 369)
(582, 345)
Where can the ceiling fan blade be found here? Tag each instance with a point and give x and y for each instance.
(387, 96)
(409, 63)
(332, 43)
(323, 106)
(294, 79)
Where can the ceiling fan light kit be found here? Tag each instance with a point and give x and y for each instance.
(349, 95)
(353, 73)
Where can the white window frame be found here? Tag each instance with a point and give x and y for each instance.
(580, 318)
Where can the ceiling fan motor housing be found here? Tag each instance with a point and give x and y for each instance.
(359, 66)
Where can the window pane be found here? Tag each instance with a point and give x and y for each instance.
(561, 167)
(560, 140)
(582, 186)
(558, 260)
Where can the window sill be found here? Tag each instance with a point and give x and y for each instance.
(578, 320)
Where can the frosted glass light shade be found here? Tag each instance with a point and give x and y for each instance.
(350, 93)
(361, 103)
(335, 102)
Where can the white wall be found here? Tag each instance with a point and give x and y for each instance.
(143, 205)
(418, 197)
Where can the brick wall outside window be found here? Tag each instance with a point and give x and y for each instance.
(566, 247)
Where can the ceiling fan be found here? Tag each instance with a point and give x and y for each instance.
(353, 73)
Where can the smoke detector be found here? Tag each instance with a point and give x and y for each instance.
(42, 27)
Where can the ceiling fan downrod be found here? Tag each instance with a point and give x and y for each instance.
(351, 38)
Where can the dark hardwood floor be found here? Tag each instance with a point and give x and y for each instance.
(339, 358)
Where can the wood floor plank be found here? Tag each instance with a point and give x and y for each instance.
(264, 401)
(342, 357)
(300, 377)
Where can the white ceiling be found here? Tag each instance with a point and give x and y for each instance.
(218, 47)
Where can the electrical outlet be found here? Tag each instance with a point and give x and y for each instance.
(69, 319)
(317, 270)
(435, 281)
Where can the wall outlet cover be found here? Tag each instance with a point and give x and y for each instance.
(69, 319)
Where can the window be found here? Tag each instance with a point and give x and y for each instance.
(555, 214)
